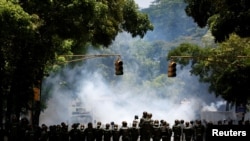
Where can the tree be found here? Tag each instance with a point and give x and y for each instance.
(225, 68)
(223, 17)
(170, 21)
(33, 34)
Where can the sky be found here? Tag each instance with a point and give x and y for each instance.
(143, 3)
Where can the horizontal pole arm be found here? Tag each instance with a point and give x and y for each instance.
(199, 56)
(85, 57)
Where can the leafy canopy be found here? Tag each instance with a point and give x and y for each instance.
(226, 67)
(223, 17)
(33, 33)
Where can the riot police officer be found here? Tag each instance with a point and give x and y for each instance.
(188, 131)
(177, 130)
(182, 122)
(89, 132)
(64, 132)
(115, 133)
(82, 136)
(166, 131)
(98, 132)
(156, 134)
(135, 131)
(199, 131)
(125, 132)
(74, 133)
(146, 128)
(44, 133)
(107, 133)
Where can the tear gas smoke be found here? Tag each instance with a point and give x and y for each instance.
(122, 101)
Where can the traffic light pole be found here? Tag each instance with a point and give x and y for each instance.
(85, 57)
(118, 62)
(172, 64)
(188, 57)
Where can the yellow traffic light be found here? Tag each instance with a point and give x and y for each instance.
(118, 67)
(172, 69)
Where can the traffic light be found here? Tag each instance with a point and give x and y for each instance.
(118, 67)
(172, 69)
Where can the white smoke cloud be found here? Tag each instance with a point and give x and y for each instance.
(120, 102)
(214, 106)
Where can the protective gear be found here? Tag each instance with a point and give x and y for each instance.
(199, 131)
(89, 132)
(44, 133)
(107, 133)
(177, 131)
(166, 131)
(115, 126)
(188, 132)
(82, 127)
(98, 132)
(115, 133)
(125, 132)
(135, 132)
(74, 133)
(82, 136)
(98, 124)
(107, 125)
(146, 129)
(124, 124)
(156, 133)
(156, 122)
(182, 126)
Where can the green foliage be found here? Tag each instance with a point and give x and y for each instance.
(170, 21)
(18, 50)
(12, 15)
(34, 34)
(135, 22)
(187, 51)
(223, 17)
(224, 67)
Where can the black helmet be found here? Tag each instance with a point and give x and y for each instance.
(99, 123)
(107, 125)
(176, 121)
(156, 122)
(124, 123)
(90, 125)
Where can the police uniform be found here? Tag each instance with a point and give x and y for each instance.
(98, 132)
(125, 132)
(166, 131)
(156, 133)
(135, 131)
(115, 133)
(107, 133)
(188, 132)
(177, 131)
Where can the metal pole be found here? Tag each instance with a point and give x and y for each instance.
(201, 57)
(84, 57)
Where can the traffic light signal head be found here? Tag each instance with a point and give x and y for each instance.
(118, 67)
(172, 69)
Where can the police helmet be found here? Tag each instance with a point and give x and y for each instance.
(107, 125)
(156, 122)
(124, 123)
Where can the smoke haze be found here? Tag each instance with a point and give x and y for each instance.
(120, 100)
